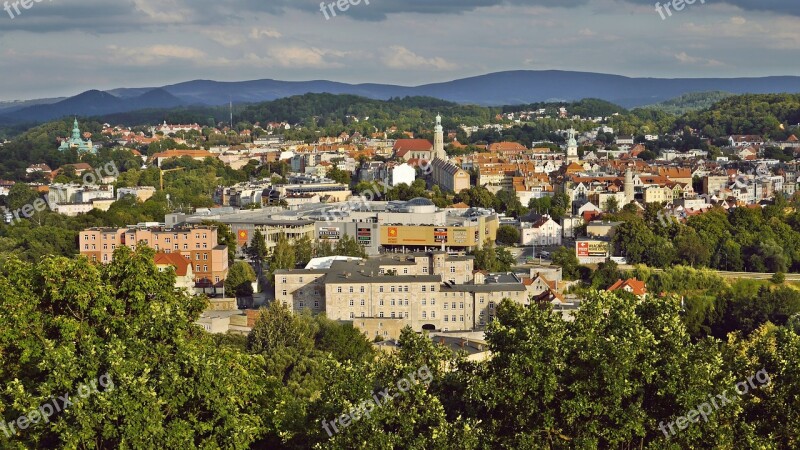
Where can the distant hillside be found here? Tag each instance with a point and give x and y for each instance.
(92, 103)
(502, 88)
(694, 101)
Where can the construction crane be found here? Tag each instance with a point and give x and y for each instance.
(162, 171)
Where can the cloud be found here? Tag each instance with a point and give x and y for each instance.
(403, 58)
(298, 57)
(685, 58)
(154, 54)
(257, 33)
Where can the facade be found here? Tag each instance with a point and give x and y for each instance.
(196, 244)
(430, 291)
(545, 231)
(449, 177)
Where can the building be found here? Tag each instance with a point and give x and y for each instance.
(438, 140)
(408, 149)
(545, 231)
(449, 177)
(197, 155)
(197, 244)
(184, 275)
(426, 291)
(141, 193)
(631, 285)
(77, 142)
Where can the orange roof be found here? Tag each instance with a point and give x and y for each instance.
(636, 287)
(461, 205)
(176, 260)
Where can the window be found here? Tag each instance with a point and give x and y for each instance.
(316, 303)
(424, 289)
(424, 315)
(481, 300)
(381, 315)
(301, 279)
(363, 302)
(406, 302)
(393, 302)
(424, 270)
(454, 305)
(284, 292)
(105, 246)
(491, 305)
(197, 268)
(283, 279)
(405, 271)
(352, 302)
(339, 290)
(351, 289)
(205, 268)
(461, 305)
(352, 315)
(380, 289)
(445, 319)
(445, 305)
(462, 318)
(452, 269)
(433, 314)
(433, 288)
(454, 318)
(393, 315)
(424, 302)
(406, 314)
(302, 304)
(433, 301)
(380, 302)
(362, 289)
(391, 289)
(405, 288)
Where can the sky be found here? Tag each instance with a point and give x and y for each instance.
(64, 47)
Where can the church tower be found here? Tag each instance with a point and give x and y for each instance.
(629, 192)
(438, 140)
(572, 147)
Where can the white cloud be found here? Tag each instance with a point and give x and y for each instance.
(685, 58)
(403, 58)
(154, 54)
(257, 33)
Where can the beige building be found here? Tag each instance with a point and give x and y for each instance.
(449, 177)
(197, 244)
(431, 291)
(658, 194)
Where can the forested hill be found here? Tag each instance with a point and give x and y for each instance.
(694, 101)
(763, 114)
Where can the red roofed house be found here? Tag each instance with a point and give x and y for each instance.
(632, 285)
(184, 276)
(413, 149)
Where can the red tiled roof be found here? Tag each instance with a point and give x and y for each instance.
(414, 145)
(176, 260)
(637, 287)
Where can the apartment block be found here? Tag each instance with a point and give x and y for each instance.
(198, 245)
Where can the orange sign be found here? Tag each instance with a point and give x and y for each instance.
(392, 232)
(243, 236)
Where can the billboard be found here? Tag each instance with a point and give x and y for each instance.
(592, 249)
(364, 236)
(440, 235)
(431, 236)
(329, 233)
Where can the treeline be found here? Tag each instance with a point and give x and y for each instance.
(762, 114)
(745, 239)
(588, 107)
(625, 373)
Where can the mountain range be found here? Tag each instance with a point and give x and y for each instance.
(495, 89)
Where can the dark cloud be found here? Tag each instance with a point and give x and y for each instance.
(788, 7)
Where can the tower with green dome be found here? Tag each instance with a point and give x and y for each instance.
(77, 142)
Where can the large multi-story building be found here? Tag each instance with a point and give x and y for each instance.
(197, 244)
(426, 291)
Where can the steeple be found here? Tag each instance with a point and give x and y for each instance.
(76, 131)
(572, 147)
(438, 140)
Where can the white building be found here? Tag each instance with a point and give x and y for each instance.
(404, 173)
(545, 231)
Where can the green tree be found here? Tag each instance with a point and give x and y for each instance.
(282, 257)
(68, 322)
(508, 235)
(240, 279)
(568, 261)
(303, 250)
(347, 246)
